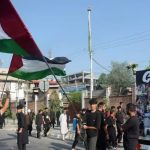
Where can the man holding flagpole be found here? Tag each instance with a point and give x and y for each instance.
(4, 108)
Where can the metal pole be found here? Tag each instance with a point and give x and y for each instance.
(91, 85)
(45, 100)
(64, 93)
(83, 99)
(134, 93)
(26, 97)
(35, 107)
(90, 52)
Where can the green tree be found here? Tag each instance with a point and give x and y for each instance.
(75, 97)
(103, 79)
(54, 102)
(120, 78)
(148, 67)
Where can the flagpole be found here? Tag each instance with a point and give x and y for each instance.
(64, 93)
(90, 52)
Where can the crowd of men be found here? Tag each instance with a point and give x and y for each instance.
(25, 125)
(97, 127)
(100, 129)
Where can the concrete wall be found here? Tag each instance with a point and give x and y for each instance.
(114, 100)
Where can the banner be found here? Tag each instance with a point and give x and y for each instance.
(143, 77)
(73, 88)
(143, 90)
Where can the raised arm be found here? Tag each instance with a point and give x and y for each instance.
(6, 105)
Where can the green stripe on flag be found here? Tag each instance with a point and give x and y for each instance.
(10, 46)
(37, 75)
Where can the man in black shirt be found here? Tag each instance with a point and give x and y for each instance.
(46, 122)
(22, 134)
(93, 122)
(102, 133)
(111, 130)
(119, 123)
(39, 122)
(131, 129)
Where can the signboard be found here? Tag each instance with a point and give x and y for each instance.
(143, 83)
(143, 90)
(73, 88)
(143, 77)
(44, 86)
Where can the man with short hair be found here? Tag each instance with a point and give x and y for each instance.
(122, 108)
(22, 134)
(63, 124)
(111, 130)
(93, 122)
(46, 121)
(102, 134)
(119, 123)
(39, 122)
(131, 128)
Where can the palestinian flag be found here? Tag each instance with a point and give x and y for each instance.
(14, 36)
(29, 68)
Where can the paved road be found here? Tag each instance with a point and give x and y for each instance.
(53, 142)
(8, 142)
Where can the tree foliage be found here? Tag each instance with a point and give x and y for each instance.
(75, 97)
(119, 78)
(103, 79)
(54, 102)
(148, 67)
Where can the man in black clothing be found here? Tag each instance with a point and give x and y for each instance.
(122, 108)
(80, 133)
(131, 129)
(39, 122)
(93, 122)
(102, 133)
(46, 122)
(22, 134)
(111, 129)
(119, 123)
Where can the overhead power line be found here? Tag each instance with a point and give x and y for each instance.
(101, 66)
(134, 38)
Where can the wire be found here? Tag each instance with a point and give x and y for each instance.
(125, 43)
(101, 65)
(133, 37)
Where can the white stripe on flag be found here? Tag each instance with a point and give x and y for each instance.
(35, 65)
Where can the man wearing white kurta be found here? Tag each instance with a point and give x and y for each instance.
(63, 124)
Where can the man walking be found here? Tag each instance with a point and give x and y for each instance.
(93, 122)
(22, 134)
(39, 122)
(29, 119)
(46, 123)
(63, 124)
